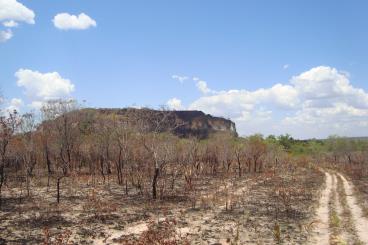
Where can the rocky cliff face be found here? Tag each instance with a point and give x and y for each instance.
(196, 123)
(182, 123)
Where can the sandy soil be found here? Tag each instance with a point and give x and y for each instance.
(194, 223)
(339, 219)
(245, 210)
(360, 222)
(321, 233)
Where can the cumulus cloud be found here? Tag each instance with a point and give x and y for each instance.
(9, 106)
(238, 102)
(286, 66)
(174, 104)
(202, 86)
(325, 86)
(5, 35)
(13, 10)
(181, 79)
(66, 21)
(10, 23)
(316, 103)
(14, 105)
(40, 87)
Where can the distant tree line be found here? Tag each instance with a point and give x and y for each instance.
(65, 142)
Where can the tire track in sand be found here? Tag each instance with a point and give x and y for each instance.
(321, 229)
(360, 222)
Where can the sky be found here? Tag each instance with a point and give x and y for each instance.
(273, 67)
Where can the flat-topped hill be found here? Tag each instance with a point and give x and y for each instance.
(181, 123)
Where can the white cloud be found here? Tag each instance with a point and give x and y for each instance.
(10, 23)
(14, 105)
(174, 104)
(13, 10)
(286, 66)
(36, 104)
(9, 106)
(330, 103)
(325, 85)
(236, 103)
(65, 21)
(40, 87)
(181, 79)
(306, 107)
(5, 35)
(202, 86)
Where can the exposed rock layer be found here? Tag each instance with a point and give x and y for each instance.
(181, 123)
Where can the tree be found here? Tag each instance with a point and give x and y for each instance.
(122, 137)
(223, 142)
(186, 162)
(160, 147)
(29, 147)
(239, 152)
(102, 145)
(275, 153)
(156, 129)
(286, 141)
(256, 148)
(8, 126)
(64, 127)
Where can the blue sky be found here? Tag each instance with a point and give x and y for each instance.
(234, 48)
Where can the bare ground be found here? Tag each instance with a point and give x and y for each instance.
(339, 217)
(266, 208)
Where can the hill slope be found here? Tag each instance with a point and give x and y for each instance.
(181, 123)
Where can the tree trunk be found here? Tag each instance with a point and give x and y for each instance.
(255, 165)
(260, 168)
(239, 166)
(58, 190)
(349, 158)
(102, 169)
(154, 183)
(119, 168)
(118, 173)
(48, 161)
(28, 185)
(126, 186)
(48, 182)
(2, 180)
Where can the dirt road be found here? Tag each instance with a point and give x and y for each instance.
(339, 218)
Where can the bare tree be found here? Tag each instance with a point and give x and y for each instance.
(160, 147)
(256, 148)
(122, 138)
(8, 127)
(239, 153)
(103, 139)
(224, 150)
(29, 151)
(152, 125)
(64, 125)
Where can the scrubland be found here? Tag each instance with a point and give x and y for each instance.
(77, 178)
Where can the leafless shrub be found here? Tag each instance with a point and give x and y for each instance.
(97, 206)
(60, 239)
(164, 232)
